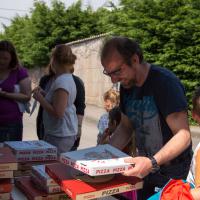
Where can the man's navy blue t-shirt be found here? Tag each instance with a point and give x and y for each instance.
(148, 106)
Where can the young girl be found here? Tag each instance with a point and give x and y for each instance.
(111, 99)
(59, 115)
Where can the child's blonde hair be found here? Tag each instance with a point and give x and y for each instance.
(112, 95)
(196, 101)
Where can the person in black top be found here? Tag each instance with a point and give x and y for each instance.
(80, 107)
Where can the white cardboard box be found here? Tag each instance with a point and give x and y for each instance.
(36, 150)
(96, 161)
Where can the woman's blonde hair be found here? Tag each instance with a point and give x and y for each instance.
(112, 95)
(62, 54)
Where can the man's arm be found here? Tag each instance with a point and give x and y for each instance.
(24, 94)
(178, 123)
(123, 134)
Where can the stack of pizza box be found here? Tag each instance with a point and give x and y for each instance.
(31, 191)
(29, 176)
(36, 150)
(43, 180)
(39, 185)
(93, 172)
(29, 153)
(8, 163)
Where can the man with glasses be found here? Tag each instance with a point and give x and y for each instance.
(154, 106)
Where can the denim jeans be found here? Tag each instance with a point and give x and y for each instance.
(11, 132)
(159, 179)
(63, 144)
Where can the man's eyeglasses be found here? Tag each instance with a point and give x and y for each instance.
(116, 72)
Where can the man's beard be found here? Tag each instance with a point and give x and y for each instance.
(128, 85)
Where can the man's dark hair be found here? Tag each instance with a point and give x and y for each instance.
(196, 101)
(115, 115)
(125, 47)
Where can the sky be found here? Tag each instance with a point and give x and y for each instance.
(11, 8)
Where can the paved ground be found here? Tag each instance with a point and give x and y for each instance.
(89, 129)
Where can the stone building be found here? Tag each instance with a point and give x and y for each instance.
(88, 67)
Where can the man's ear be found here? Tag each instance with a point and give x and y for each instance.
(135, 59)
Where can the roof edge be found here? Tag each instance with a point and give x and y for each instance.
(88, 39)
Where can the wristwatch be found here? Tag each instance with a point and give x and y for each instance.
(155, 166)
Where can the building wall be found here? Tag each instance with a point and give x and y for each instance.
(88, 67)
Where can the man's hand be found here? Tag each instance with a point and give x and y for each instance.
(142, 166)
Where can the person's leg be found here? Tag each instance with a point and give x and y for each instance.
(40, 124)
(63, 144)
(3, 134)
(76, 144)
(11, 132)
(78, 138)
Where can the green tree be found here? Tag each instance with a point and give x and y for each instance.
(168, 31)
(35, 36)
